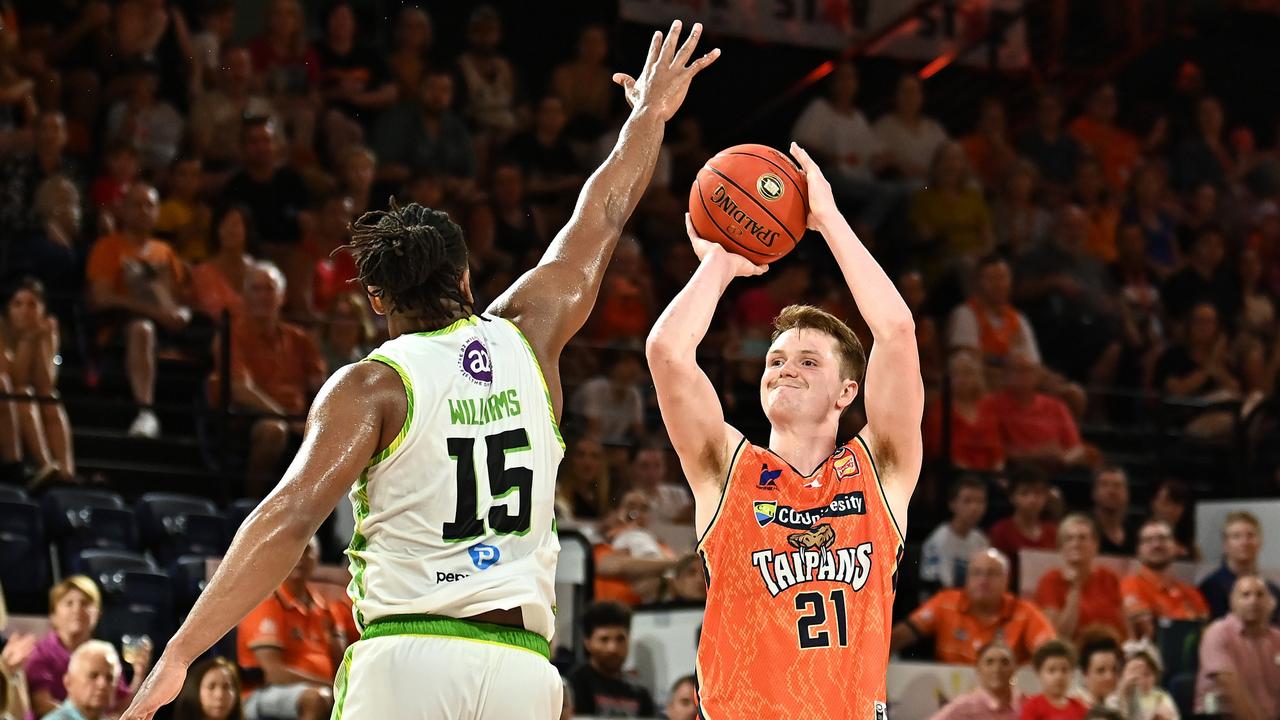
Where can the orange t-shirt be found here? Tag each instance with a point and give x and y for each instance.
(958, 635)
(302, 633)
(615, 589)
(1164, 597)
(109, 253)
(213, 293)
(1117, 150)
(280, 363)
(802, 571)
(1099, 599)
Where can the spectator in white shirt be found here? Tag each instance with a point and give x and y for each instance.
(910, 137)
(612, 405)
(669, 502)
(945, 556)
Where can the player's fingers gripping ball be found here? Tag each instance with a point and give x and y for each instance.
(751, 199)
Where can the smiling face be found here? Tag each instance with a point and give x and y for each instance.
(803, 381)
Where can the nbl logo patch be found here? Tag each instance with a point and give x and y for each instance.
(770, 186)
(475, 363)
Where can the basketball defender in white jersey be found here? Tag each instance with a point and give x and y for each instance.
(446, 440)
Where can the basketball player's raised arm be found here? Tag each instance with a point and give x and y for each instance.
(688, 401)
(551, 302)
(344, 430)
(894, 394)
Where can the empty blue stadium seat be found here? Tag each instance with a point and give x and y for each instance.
(188, 575)
(136, 596)
(24, 555)
(174, 525)
(77, 519)
(237, 511)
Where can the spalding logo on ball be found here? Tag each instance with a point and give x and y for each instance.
(751, 199)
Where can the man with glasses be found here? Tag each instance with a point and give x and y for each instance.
(1152, 592)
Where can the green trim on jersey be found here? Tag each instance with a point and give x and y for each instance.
(551, 409)
(360, 509)
(441, 626)
(408, 415)
(343, 679)
(463, 322)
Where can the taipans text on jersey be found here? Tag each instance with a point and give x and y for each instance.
(481, 411)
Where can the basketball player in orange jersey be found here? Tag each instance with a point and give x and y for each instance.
(802, 539)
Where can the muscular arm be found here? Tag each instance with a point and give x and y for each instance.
(358, 406)
(552, 301)
(894, 397)
(688, 401)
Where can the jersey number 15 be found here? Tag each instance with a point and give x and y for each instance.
(467, 524)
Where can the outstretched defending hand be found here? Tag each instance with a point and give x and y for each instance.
(821, 202)
(741, 266)
(161, 687)
(665, 78)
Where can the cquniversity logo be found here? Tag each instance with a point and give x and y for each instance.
(475, 364)
(484, 556)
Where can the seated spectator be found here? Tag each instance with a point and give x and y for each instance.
(291, 638)
(1047, 145)
(1241, 545)
(975, 430)
(1203, 157)
(1035, 427)
(669, 501)
(689, 584)
(137, 282)
(23, 175)
(93, 671)
(1081, 598)
(950, 214)
(120, 171)
(29, 345)
(218, 116)
(599, 687)
(988, 322)
(1238, 675)
(1151, 592)
(354, 80)
(509, 227)
(996, 697)
(1117, 530)
(754, 310)
(987, 147)
(911, 139)
(683, 703)
(356, 172)
(944, 559)
(276, 369)
(348, 331)
(150, 125)
(217, 22)
(1053, 662)
(1204, 278)
(1140, 696)
(612, 405)
(288, 68)
(1150, 209)
(184, 218)
(211, 692)
(1169, 503)
(422, 135)
(551, 172)
(75, 605)
(331, 268)
(630, 560)
(583, 490)
(962, 621)
(488, 80)
(625, 309)
(1116, 148)
(1089, 191)
(1027, 526)
(585, 85)
(1019, 218)
(217, 284)
(276, 198)
(1141, 312)
(1197, 368)
(1100, 664)
(410, 58)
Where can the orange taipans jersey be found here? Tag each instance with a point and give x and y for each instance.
(801, 573)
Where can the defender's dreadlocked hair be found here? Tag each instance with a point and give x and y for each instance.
(413, 257)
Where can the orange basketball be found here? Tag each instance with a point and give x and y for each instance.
(751, 199)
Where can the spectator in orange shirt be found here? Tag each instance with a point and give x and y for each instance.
(988, 322)
(1036, 428)
(963, 621)
(137, 282)
(1116, 148)
(217, 284)
(1081, 597)
(276, 369)
(1152, 592)
(990, 153)
(291, 637)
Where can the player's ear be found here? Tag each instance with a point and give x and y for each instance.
(375, 301)
(848, 394)
(465, 285)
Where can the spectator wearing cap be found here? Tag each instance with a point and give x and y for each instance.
(1152, 592)
(962, 621)
(1239, 673)
(1241, 545)
(93, 671)
(1081, 597)
(996, 697)
(75, 605)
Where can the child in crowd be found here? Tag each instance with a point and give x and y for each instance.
(1054, 662)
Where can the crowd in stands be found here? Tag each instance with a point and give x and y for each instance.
(174, 191)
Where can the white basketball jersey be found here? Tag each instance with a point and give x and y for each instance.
(456, 516)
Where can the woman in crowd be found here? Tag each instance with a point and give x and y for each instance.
(1081, 597)
(31, 342)
(995, 698)
(212, 692)
(218, 283)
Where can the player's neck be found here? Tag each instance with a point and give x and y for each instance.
(804, 448)
(398, 324)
